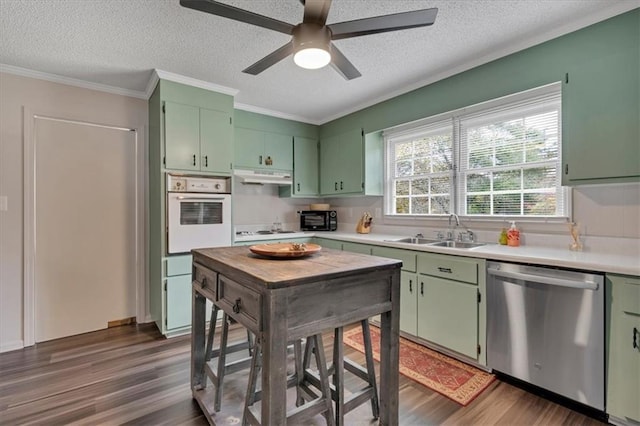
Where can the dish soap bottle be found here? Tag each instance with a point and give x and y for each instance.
(513, 236)
(503, 237)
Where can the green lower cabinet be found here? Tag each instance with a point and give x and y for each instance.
(356, 248)
(623, 359)
(448, 314)
(178, 302)
(178, 294)
(409, 302)
(331, 244)
(451, 309)
(408, 286)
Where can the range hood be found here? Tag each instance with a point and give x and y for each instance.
(264, 177)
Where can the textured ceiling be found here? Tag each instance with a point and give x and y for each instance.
(119, 42)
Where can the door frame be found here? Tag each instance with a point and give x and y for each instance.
(29, 237)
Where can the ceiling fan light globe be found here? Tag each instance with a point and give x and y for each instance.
(312, 58)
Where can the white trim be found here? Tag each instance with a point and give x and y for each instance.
(166, 75)
(12, 346)
(10, 69)
(265, 111)
(29, 244)
(30, 237)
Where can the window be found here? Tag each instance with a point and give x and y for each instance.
(499, 158)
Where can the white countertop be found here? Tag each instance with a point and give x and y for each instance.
(591, 261)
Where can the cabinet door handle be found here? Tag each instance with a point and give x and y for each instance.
(335, 185)
(206, 161)
(260, 160)
(410, 286)
(341, 186)
(236, 306)
(298, 187)
(446, 270)
(422, 289)
(194, 159)
(636, 333)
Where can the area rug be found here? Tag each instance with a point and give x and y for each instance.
(456, 380)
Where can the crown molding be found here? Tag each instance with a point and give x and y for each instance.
(177, 78)
(24, 72)
(277, 114)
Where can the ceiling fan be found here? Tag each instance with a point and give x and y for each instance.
(311, 41)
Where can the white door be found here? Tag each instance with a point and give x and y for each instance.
(85, 236)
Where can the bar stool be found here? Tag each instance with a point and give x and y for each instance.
(223, 368)
(307, 402)
(368, 393)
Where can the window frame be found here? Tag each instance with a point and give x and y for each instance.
(458, 118)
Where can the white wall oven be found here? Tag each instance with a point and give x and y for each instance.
(198, 212)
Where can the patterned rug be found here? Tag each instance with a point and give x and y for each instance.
(454, 379)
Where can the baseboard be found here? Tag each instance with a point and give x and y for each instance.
(12, 346)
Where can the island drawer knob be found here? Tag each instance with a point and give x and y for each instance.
(236, 306)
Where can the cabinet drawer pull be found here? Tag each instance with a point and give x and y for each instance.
(422, 289)
(236, 306)
(206, 161)
(636, 333)
(341, 186)
(298, 187)
(335, 185)
(446, 270)
(194, 159)
(410, 286)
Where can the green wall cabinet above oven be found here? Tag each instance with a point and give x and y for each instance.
(256, 149)
(197, 139)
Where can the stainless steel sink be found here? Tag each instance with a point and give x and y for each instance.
(414, 240)
(457, 244)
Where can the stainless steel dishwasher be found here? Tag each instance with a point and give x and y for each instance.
(545, 326)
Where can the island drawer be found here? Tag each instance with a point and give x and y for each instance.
(449, 267)
(207, 279)
(240, 303)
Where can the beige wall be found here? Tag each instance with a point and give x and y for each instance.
(61, 101)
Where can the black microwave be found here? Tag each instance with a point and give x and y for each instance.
(318, 220)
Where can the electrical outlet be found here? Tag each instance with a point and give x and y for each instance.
(4, 203)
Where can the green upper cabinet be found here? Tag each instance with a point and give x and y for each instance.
(305, 167)
(257, 149)
(601, 117)
(197, 139)
(216, 137)
(351, 163)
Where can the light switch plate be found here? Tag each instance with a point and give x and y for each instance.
(4, 203)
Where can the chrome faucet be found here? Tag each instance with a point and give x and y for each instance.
(455, 216)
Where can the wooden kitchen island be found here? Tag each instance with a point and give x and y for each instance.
(285, 299)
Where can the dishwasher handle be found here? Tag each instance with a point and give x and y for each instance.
(583, 285)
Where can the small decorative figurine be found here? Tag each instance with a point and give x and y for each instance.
(574, 230)
(364, 224)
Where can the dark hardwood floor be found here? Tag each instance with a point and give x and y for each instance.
(132, 375)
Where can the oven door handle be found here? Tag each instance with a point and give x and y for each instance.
(584, 285)
(182, 197)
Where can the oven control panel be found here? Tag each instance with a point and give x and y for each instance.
(214, 185)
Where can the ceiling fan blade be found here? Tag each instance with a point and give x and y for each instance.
(226, 11)
(382, 24)
(269, 60)
(341, 64)
(316, 11)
